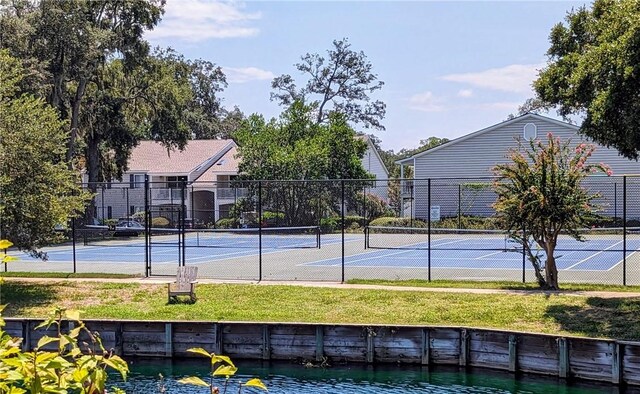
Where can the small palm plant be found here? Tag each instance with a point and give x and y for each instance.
(221, 366)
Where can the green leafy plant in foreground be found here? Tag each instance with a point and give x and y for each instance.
(220, 366)
(67, 369)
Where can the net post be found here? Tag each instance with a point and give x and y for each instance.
(318, 236)
(624, 230)
(366, 237)
(342, 226)
(147, 228)
(429, 229)
(259, 230)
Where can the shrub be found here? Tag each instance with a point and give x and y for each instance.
(468, 222)
(160, 221)
(374, 207)
(398, 222)
(354, 219)
(228, 223)
(329, 225)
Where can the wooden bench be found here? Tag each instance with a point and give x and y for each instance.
(185, 284)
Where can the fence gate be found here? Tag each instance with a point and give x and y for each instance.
(165, 240)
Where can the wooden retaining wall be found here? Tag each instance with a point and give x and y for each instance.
(566, 357)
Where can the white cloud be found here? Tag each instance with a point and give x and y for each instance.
(246, 74)
(516, 78)
(199, 20)
(465, 93)
(426, 102)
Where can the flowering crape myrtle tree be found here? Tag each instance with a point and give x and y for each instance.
(540, 191)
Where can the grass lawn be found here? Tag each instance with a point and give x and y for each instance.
(64, 275)
(556, 313)
(504, 285)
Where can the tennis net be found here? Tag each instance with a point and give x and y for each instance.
(416, 238)
(272, 237)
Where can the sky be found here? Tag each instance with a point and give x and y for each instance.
(449, 68)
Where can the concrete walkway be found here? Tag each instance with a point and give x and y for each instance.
(338, 285)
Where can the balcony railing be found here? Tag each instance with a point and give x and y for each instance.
(231, 193)
(166, 194)
(406, 188)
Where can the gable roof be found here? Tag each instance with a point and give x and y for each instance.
(227, 164)
(152, 157)
(487, 130)
(375, 150)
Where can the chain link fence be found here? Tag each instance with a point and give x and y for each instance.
(333, 230)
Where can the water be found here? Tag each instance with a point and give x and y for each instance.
(357, 379)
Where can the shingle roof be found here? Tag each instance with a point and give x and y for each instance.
(226, 164)
(153, 157)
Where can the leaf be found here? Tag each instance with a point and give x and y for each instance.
(72, 315)
(5, 244)
(199, 350)
(194, 380)
(224, 359)
(225, 370)
(46, 340)
(7, 259)
(255, 382)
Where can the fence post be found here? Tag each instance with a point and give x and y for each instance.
(147, 228)
(524, 252)
(429, 229)
(259, 230)
(183, 215)
(624, 230)
(342, 226)
(459, 207)
(73, 237)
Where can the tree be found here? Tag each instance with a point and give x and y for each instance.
(390, 157)
(37, 190)
(70, 40)
(593, 71)
(165, 98)
(540, 192)
(296, 148)
(342, 83)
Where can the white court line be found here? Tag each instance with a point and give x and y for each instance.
(622, 261)
(487, 255)
(592, 256)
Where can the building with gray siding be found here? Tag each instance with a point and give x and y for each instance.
(461, 169)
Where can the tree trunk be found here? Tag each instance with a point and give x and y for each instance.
(93, 174)
(75, 120)
(551, 271)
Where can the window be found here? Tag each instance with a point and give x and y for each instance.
(109, 212)
(530, 131)
(136, 181)
(175, 182)
(132, 210)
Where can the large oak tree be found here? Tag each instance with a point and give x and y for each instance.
(594, 72)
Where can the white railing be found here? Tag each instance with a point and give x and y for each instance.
(230, 193)
(166, 194)
(406, 188)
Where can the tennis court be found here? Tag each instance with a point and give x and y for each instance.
(100, 246)
(489, 250)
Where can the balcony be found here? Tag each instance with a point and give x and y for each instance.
(231, 193)
(174, 195)
(406, 189)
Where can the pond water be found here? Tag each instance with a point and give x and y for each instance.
(357, 379)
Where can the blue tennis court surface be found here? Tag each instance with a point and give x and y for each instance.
(164, 249)
(494, 254)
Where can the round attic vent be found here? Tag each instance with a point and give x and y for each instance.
(530, 131)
